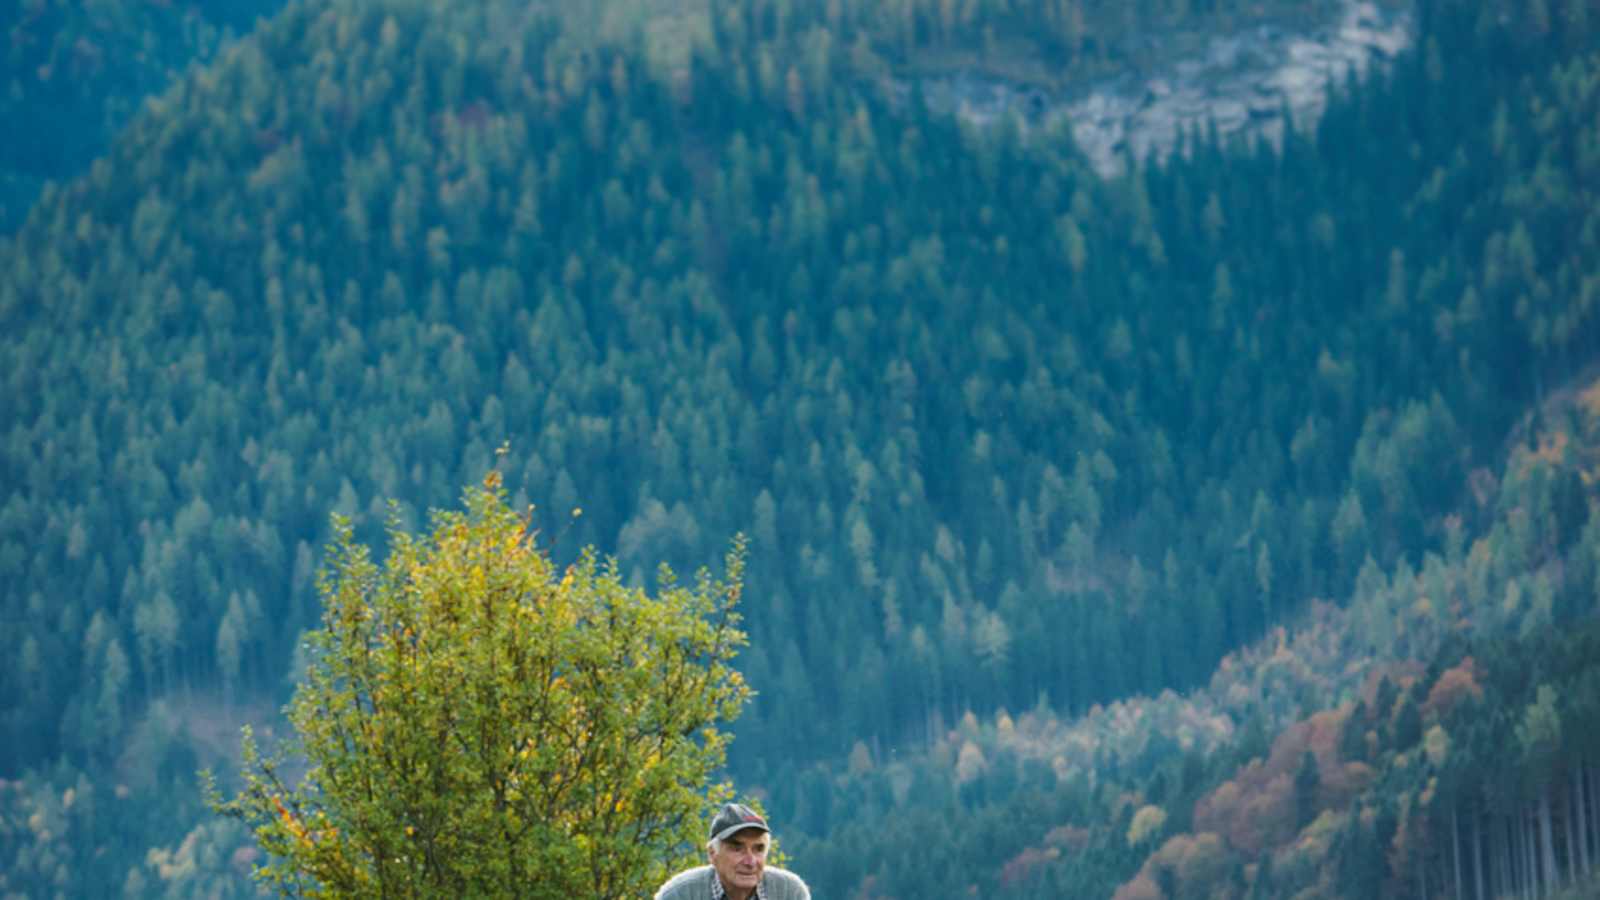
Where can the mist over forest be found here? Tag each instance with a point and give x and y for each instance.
(1166, 433)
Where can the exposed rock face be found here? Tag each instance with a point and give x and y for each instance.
(1242, 84)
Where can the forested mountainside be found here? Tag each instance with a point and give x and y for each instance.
(74, 73)
(1432, 735)
(1005, 435)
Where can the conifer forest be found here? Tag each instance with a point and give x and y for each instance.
(1207, 515)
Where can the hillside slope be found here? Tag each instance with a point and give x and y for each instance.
(74, 73)
(1004, 434)
(1445, 707)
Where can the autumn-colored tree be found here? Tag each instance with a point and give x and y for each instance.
(1186, 866)
(476, 722)
(1455, 684)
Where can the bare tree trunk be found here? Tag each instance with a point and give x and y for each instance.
(1519, 885)
(1530, 860)
(1508, 881)
(1455, 845)
(1592, 803)
(1552, 878)
(1584, 826)
(1572, 842)
(1519, 859)
(1578, 849)
(1477, 857)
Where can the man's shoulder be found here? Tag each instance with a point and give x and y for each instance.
(690, 883)
(695, 884)
(782, 884)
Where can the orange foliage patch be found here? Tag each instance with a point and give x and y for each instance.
(1020, 868)
(1454, 685)
(1256, 809)
(1340, 785)
(1318, 734)
(1196, 860)
(1189, 859)
(1251, 812)
(1142, 887)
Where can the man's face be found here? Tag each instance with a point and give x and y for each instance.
(740, 859)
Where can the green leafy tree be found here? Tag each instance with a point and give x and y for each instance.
(476, 722)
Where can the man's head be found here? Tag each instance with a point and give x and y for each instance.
(738, 848)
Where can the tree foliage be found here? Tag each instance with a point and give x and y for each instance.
(477, 722)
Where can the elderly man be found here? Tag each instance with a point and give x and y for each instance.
(738, 869)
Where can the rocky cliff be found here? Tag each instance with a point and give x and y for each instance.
(1242, 84)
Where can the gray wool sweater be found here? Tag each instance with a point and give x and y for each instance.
(697, 884)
